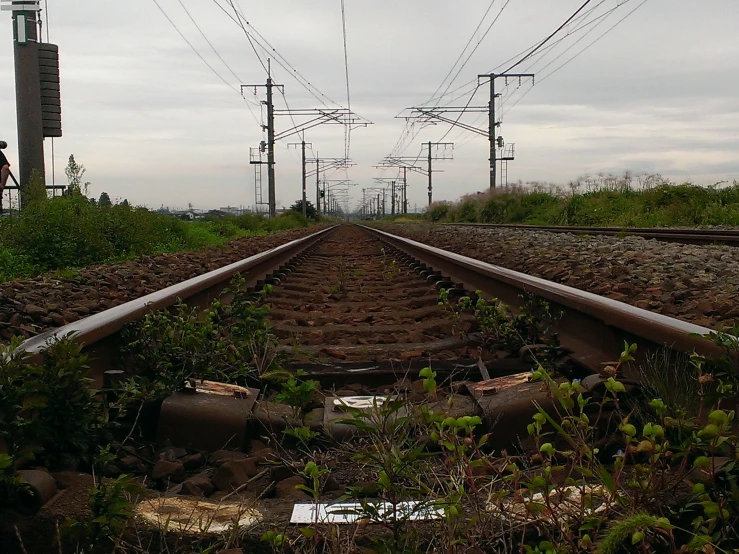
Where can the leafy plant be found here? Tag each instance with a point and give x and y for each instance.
(49, 411)
(111, 506)
(297, 393)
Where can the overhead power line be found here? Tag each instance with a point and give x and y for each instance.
(347, 130)
(199, 55)
(543, 42)
(247, 36)
(546, 76)
(208, 41)
(479, 42)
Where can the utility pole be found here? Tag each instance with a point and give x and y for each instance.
(439, 113)
(430, 173)
(270, 128)
(27, 91)
(271, 147)
(432, 157)
(305, 199)
(493, 123)
(302, 145)
(318, 185)
(405, 190)
(492, 131)
(392, 200)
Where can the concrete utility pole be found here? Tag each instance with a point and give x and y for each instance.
(305, 198)
(318, 185)
(27, 90)
(493, 122)
(302, 145)
(270, 128)
(439, 113)
(405, 190)
(271, 149)
(432, 157)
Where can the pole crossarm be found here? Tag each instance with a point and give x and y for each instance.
(401, 163)
(436, 114)
(327, 164)
(321, 116)
(506, 76)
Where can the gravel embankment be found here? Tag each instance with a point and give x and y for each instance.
(699, 284)
(31, 306)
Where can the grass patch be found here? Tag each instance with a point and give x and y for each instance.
(611, 202)
(70, 231)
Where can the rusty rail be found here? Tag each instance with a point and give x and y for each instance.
(594, 328)
(729, 237)
(99, 332)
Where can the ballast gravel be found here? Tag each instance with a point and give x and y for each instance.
(694, 283)
(30, 306)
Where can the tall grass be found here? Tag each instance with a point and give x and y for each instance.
(618, 205)
(70, 231)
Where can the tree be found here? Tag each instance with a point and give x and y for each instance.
(75, 172)
(310, 210)
(104, 200)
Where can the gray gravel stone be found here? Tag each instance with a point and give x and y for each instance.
(694, 283)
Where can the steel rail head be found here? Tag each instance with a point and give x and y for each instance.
(102, 325)
(593, 326)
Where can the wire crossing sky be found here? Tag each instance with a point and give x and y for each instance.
(152, 102)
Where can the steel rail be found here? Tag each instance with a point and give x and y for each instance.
(688, 236)
(99, 332)
(593, 328)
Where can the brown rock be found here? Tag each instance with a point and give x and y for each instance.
(198, 486)
(221, 456)
(286, 489)
(58, 319)
(132, 463)
(264, 455)
(34, 310)
(193, 461)
(335, 353)
(233, 474)
(174, 471)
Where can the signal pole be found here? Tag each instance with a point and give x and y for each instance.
(27, 90)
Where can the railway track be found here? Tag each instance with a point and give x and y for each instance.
(687, 236)
(357, 309)
(352, 296)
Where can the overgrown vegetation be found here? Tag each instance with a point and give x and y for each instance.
(605, 200)
(595, 474)
(76, 231)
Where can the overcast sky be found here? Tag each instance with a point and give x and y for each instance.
(152, 123)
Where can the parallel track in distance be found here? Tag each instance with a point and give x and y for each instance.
(729, 237)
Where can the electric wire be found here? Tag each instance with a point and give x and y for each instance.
(479, 42)
(248, 37)
(558, 68)
(208, 41)
(521, 53)
(542, 43)
(347, 129)
(542, 52)
(199, 55)
(490, 7)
